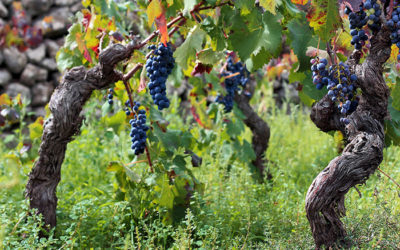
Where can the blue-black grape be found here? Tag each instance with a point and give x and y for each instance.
(374, 11)
(235, 75)
(159, 66)
(138, 129)
(357, 21)
(110, 96)
(340, 84)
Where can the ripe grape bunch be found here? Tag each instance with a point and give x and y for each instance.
(139, 129)
(369, 13)
(159, 66)
(339, 82)
(394, 25)
(235, 75)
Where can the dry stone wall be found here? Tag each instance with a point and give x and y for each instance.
(33, 73)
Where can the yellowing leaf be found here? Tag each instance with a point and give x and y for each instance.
(86, 3)
(323, 16)
(393, 54)
(153, 10)
(5, 100)
(302, 2)
(269, 5)
(36, 129)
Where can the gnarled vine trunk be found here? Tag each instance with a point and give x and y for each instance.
(364, 151)
(259, 128)
(65, 121)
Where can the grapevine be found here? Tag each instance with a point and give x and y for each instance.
(235, 75)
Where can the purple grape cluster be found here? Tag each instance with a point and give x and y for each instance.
(139, 129)
(374, 11)
(235, 75)
(394, 24)
(357, 21)
(159, 66)
(339, 82)
(127, 110)
(110, 96)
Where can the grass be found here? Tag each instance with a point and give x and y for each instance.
(234, 212)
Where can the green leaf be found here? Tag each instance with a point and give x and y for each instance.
(250, 37)
(323, 16)
(245, 6)
(67, 59)
(188, 6)
(396, 96)
(218, 41)
(187, 51)
(208, 56)
(270, 5)
(300, 35)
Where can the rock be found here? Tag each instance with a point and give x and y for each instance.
(58, 25)
(36, 55)
(32, 74)
(41, 93)
(16, 88)
(76, 7)
(3, 10)
(49, 63)
(56, 78)
(7, 2)
(15, 60)
(65, 2)
(37, 7)
(52, 47)
(5, 77)
(1, 57)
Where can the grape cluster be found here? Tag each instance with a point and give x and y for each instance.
(394, 25)
(139, 129)
(235, 75)
(374, 11)
(357, 21)
(159, 66)
(110, 96)
(127, 110)
(339, 82)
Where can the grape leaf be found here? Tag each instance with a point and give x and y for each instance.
(154, 9)
(323, 16)
(189, 5)
(245, 6)
(249, 36)
(301, 2)
(396, 97)
(269, 5)
(300, 36)
(161, 23)
(188, 49)
(208, 56)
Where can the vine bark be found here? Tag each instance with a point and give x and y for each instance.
(364, 151)
(65, 121)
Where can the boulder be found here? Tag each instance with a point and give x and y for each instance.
(51, 47)
(15, 60)
(1, 57)
(5, 77)
(3, 10)
(65, 2)
(41, 93)
(58, 25)
(36, 55)
(39, 111)
(37, 7)
(14, 89)
(49, 63)
(32, 74)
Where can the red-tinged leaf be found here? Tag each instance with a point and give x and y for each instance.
(161, 23)
(323, 16)
(301, 2)
(200, 68)
(87, 56)
(196, 117)
(142, 84)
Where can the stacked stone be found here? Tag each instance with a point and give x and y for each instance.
(33, 73)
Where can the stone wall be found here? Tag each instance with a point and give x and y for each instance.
(33, 72)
